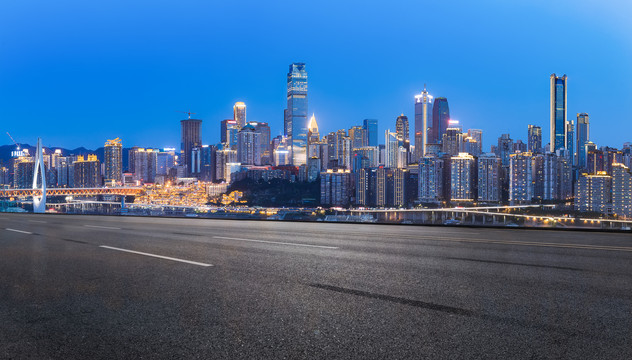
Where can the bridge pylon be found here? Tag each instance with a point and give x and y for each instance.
(39, 201)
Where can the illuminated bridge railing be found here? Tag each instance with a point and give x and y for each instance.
(71, 192)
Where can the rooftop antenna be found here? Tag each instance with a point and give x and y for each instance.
(188, 113)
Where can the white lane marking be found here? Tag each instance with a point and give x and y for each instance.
(154, 255)
(275, 242)
(19, 231)
(102, 227)
(37, 221)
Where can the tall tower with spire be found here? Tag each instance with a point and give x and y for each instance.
(423, 122)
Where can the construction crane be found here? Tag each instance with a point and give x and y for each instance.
(188, 113)
(15, 142)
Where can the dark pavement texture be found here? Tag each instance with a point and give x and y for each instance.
(289, 290)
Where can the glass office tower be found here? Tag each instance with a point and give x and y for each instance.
(583, 133)
(534, 139)
(370, 131)
(558, 112)
(423, 120)
(296, 113)
(440, 119)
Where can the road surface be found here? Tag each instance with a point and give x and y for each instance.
(133, 287)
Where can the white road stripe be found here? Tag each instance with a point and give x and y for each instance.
(37, 221)
(19, 231)
(275, 242)
(102, 227)
(154, 255)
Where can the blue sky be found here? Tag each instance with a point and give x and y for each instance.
(79, 72)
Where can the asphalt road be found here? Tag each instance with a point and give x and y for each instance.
(128, 287)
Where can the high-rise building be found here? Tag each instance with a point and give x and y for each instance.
(228, 132)
(87, 172)
(370, 132)
(165, 161)
(534, 139)
(520, 178)
(222, 158)
(558, 112)
(583, 134)
(239, 114)
(296, 113)
(402, 130)
(336, 188)
(463, 182)
(248, 146)
(564, 178)
(477, 135)
(146, 164)
(313, 135)
(440, 120)
(621, 191)
(505, 148)
(191, 137)
(452, 141)
(594, 192)
(265, 149)
(392, 148)
(23, 169)
(430, 188)
(113, 153)
(4, 177)
(356, 134)
(570, 143)
(489, 178)
(368, 156)
(423, 120)
(518, 145)
(366, 187)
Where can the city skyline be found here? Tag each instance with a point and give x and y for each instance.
(136, 91)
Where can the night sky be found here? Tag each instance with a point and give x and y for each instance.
(77, 73)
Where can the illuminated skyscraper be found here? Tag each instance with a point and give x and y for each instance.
(594, 192)
(583, 134)
(477, 146)
(146, 164)
(248, 149)
(505, 148)
(452, 141)
(534, 139)
(312, 128)
(621, 191)
(113, 153)
(296, 113)
(440, 119)
(191, 137)
(265, 149)
(370, 132)
(558, 112)
(489, 178)
(392, 148)
(570, 143)
(430, 188)
(402, 130)
(463, 174)
(336, 188)
(520, 178)
(356, 134)
(423, 120)
(87, 172)
(239, 114)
